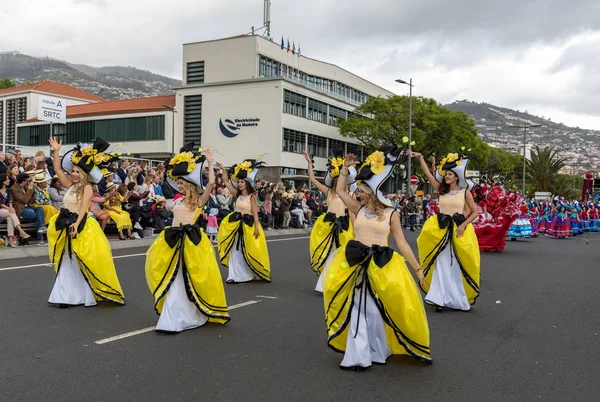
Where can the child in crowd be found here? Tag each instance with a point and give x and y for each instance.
(212, 226)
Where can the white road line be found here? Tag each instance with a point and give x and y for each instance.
(149, 329)
(25, 266)
(266, 297)
(134, 255)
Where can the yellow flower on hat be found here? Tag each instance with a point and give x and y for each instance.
(336, 163)
(245, 165)
(377, 162)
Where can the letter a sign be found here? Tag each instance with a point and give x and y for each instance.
(52, 109)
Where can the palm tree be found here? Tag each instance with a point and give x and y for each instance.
(543, 167)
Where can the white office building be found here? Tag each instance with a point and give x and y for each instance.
(247, 97)
(244, 96)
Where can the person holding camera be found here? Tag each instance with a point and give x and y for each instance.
(23, 195)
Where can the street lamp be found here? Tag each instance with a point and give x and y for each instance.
(525, 127)
(409, 164)
(172, 109)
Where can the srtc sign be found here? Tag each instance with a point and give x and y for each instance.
(52, 109)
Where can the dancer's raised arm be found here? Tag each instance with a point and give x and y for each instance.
(434, 183)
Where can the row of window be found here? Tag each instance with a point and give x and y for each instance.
(315, 145)
(302, 172)
(302, 106)
(16, 112)
(195, 72)
(271, 68)
(149, 128)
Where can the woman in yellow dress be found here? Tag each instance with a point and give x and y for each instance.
(242, 243)
(114, 208)
(79, 250)
(334, 228)
(181, 268)
(448, 245)
(42, 198)
(373, 307)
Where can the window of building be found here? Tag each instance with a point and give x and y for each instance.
(192, 119)
(334, 113)
(293, 141)
(268, 67)
(317, 146)
(149, 128)
(335, 144)
(317, 111)
(354, 149)
(16, 112)
(195, 72)
(294, 103)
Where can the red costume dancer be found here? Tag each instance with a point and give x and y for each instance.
(504, 209)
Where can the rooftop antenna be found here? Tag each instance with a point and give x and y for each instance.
(266, 21)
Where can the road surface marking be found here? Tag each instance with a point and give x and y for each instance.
(133, 255)
(266, 297)
(149, 329)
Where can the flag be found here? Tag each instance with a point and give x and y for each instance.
(299, 50)
(288, 45)
(293, 48)
(282, 43)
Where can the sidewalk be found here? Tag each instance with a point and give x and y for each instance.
(34, 250)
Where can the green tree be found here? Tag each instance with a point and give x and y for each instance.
(568, 186)
(6, 83)
(503, 162)
(543, 167)
(436, 130)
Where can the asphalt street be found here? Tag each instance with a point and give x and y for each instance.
(533, 335)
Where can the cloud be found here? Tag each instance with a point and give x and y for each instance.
(539, 55)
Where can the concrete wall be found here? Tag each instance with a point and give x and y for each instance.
(262, 100)
(224, 60)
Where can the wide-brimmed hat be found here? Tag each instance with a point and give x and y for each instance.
(187, 165)
(89, 158)
(40, 178)
(378, 168)
(110, 186)
(457, 163)
(334, 164)
(246, 170)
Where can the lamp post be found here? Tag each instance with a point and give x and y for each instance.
(525, 127)
(172, 109)
(409, 163)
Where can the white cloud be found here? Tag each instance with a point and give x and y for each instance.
(538, 55)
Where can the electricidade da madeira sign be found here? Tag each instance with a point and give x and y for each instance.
(233, 127)
(52, 109)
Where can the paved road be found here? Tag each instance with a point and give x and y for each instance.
(533, 335)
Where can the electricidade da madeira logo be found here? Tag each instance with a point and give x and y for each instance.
(232, 128)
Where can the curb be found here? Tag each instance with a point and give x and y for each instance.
(35, 251)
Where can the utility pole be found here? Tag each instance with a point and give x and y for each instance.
(409, 163)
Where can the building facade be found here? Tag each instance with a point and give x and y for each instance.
(19, 104)
(141, 127)
(247, 98)
(243, 96)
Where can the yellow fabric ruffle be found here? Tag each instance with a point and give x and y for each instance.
(203, 275)
(322, 242)
(395, 293)
(255, 251)
(466, 249)
(91, 250)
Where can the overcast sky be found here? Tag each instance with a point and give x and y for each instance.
(537, 55)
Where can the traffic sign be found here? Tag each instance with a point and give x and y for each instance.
(52, 109)
(414, 180)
